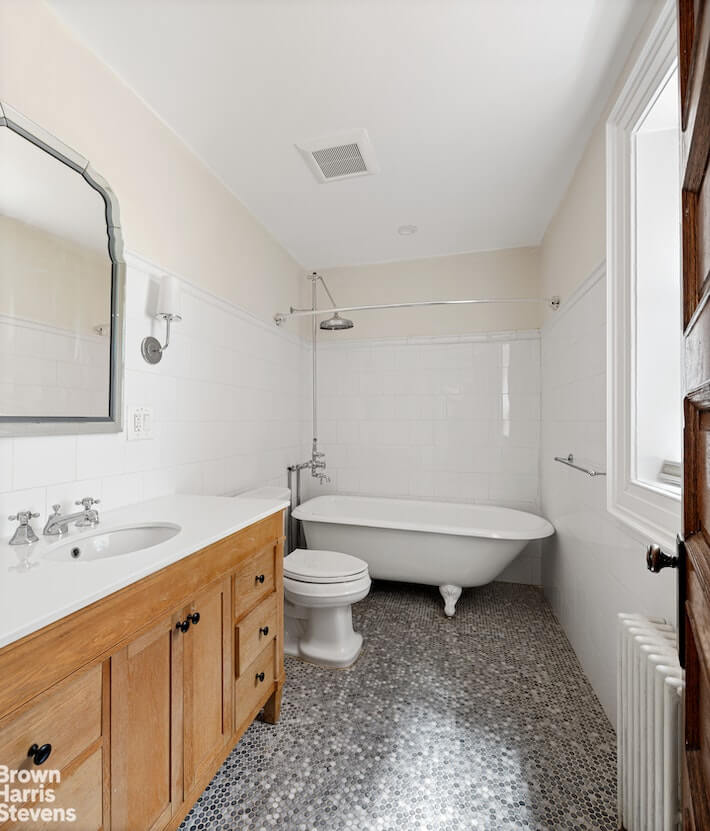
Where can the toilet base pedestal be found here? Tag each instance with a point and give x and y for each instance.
(323, 636)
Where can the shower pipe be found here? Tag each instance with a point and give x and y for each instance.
(280, 317)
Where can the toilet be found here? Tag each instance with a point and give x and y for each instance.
(320, 588)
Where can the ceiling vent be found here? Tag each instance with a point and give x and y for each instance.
(342, 156)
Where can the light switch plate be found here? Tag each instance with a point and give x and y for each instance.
(139, 425)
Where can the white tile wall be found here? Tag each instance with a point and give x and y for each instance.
(434, 418)
(441, 418)
(593, 567)
(50, 371)
(226, 397)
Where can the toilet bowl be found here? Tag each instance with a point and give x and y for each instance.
(320, 588)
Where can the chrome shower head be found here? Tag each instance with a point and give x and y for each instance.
(336, 323)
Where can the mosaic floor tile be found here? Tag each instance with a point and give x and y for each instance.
(483, 722)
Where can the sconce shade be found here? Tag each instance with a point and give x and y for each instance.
(169, 298)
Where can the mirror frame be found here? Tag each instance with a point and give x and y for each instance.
(68, 425)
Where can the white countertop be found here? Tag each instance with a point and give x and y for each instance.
(51, 590)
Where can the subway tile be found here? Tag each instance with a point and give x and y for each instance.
(43, 460)
(124, 489)
(67, 494)
(6, 465)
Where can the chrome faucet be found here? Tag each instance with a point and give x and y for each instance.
(57, 524)
(316, 464)
(24, 533)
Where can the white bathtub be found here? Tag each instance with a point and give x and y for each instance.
(444, 544)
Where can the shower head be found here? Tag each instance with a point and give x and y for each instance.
(336, 323)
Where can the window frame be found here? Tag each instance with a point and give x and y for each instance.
(651, 511)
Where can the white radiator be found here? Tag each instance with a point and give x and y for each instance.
(650, 685)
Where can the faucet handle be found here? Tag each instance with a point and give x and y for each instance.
(24, 533)
(87, 502)
(57, 508)
(23, 517)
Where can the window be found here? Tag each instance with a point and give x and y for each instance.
(643, 298)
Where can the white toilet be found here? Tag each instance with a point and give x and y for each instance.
(320, 588)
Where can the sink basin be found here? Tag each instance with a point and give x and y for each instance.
(114, 543)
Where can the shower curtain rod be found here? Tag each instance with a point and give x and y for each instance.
(553, 302)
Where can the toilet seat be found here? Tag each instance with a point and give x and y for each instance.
(322, 567)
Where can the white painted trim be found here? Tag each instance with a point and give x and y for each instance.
(598, 273)
(650, 512)
(502, 336)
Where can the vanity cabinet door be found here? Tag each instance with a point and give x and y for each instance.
(207, 665)
(146, 722)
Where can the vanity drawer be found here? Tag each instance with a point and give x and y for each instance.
(254, 631)
(250, 690)
(80, 791)
(254, 580)
(68, 718)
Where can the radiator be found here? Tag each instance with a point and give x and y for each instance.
(650, 686)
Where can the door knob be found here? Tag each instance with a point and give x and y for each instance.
(656, 559)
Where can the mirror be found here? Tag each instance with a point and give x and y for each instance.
(61, 288)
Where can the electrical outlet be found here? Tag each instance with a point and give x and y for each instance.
(139, 425)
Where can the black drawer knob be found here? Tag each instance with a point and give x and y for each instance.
(40, 754)
(264, 630)
(260, 578)
(183, 625)
(260, 677)
(194, 618)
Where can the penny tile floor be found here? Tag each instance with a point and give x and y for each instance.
(484, 721)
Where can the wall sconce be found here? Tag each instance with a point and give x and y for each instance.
(169, 311)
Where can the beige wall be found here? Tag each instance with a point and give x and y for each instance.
(575, 239)
(174, 211)
(507, 273)
(50, 279)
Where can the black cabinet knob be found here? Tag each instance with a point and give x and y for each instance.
(40, 754)
(264, 630)
(260, 677)
(260, 578)
(183, 625)
(194, 617)
(656, 560)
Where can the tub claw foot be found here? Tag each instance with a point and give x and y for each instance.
(450, 594)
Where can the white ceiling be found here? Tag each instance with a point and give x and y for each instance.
(478, 110)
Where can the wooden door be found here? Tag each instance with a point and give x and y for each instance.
(146, 722)
(207, 676)
(694, 554)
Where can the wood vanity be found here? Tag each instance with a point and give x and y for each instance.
(143, 694)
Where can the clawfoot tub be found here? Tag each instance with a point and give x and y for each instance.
(444, 544)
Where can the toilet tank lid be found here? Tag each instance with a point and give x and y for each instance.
(314, 565)
(267, 492)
